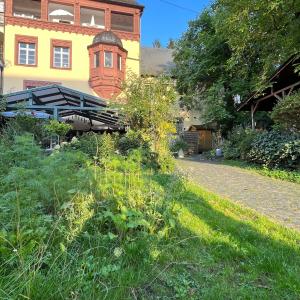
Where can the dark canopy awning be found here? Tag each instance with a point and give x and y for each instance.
(62, 102)
(283, 82)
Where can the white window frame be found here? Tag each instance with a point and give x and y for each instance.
(27, 52)
(111, 65)
(119, 62)
(60, 51)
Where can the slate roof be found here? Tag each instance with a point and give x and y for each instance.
(156, 61)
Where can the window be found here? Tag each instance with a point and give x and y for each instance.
(97, 60)
(92, 18)
(26, 54)
(120, 21)
(30, 9)
(61, 57)
(108, 59)
(119, 62)
(26, 50)
(61, 54)
(61, 13)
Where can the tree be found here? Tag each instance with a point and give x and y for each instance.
(260, 34)
(150, 108)
(231, 49)
(201, 73)
(171, 44)
(156, 43)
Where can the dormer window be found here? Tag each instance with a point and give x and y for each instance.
(108, 59)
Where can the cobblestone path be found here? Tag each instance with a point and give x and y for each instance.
(277, 199)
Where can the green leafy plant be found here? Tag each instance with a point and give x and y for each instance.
(276, 149)
(287, 112)
(57, 128)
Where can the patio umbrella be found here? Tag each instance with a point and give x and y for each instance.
(60, 12)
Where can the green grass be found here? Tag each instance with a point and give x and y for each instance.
(292, 176)
(71, 229)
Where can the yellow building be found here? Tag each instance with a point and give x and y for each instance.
(87, 45)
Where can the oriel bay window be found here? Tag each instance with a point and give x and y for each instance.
(61, 54)
(26, 50)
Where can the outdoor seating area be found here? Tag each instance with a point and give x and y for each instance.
(85, 112)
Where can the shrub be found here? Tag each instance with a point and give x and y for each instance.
(238, 143)
(57, 128)
(287, 112)
(23, 124)
(132, 140)
(179, 144)
(276, 149)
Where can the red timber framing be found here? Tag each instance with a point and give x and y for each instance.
(107, 6)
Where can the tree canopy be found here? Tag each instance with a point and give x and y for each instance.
(231, 49)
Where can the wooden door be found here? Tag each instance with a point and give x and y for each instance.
(205, 140)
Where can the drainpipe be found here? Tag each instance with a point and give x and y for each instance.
(1, 76)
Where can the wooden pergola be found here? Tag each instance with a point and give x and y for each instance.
(284, 81)
(62, 102)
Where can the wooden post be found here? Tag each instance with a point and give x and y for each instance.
(55, 113)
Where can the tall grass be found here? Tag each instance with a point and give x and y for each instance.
(73, 227)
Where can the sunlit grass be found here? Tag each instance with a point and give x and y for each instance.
(71, 229)
(292, 176)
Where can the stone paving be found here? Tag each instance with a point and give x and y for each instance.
(280, 200)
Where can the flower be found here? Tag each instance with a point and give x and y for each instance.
(118, 252)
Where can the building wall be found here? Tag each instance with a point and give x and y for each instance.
(76, 78)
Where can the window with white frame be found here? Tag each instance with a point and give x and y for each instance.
(61, 57)
(27, 54)
(108, 59)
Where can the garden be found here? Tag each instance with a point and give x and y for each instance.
(108, 217)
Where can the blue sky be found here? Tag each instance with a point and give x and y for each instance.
(163, 21)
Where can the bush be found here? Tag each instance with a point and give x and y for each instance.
(238, 143)
(132, 140)
(276, 149)
(179, 144)
(287, 112)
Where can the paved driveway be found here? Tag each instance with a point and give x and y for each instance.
(277, 199)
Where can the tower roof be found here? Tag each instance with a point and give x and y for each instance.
(108, 37)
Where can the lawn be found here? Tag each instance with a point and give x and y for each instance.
(292, 176)
(74, 228)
